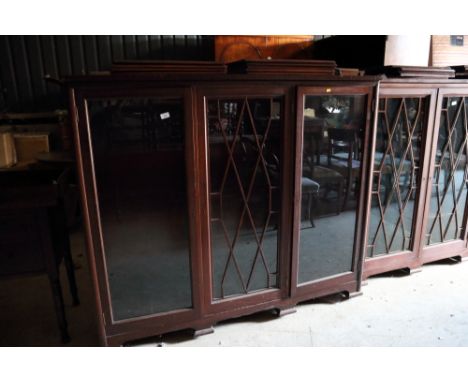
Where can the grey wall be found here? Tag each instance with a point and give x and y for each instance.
(25, 60)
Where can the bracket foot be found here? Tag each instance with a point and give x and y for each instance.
(286, 311)
(202, 332)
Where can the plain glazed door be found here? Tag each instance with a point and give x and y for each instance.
(332, 149)
(135, 161)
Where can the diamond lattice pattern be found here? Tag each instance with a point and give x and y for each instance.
(396, 174)
(244, 175)
(449, 184)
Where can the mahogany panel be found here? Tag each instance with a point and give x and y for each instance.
(240, 135)
(391, 262)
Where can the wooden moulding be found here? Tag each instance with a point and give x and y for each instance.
(311, 67)
(348, 72)
(413, 72)
(168, 67)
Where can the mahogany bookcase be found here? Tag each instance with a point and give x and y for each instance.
(418, 208)
(211, 192)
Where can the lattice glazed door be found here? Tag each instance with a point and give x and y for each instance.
(447, 197)
(398, 160)
(244, 140)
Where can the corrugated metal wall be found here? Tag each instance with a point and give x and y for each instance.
(25, 60)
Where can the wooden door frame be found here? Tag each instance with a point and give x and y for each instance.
(152, 323)
(451, 248)
(407, 258)
(350, 281)
(274, 296)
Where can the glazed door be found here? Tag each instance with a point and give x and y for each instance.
(332, 149)
(136, 156)
(400, 159)
(245, 142)
(446, 199)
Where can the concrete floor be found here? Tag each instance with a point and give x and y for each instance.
(429, 308)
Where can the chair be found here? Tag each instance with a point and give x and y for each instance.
(309, 186)
(314, 132)
(343, 156)
(327, 179)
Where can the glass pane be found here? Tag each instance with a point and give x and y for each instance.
(139, 157)
(245, 158)
(331, 177)
(449, 184)
(400, 125)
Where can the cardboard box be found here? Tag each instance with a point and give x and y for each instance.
(28, 145)
(8, 156)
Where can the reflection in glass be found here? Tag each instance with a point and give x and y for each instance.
(396, 179)
(244, 158)
(139, 158)
(331, 177)
(449, 182)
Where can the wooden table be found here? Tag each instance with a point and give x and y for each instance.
(33, 232)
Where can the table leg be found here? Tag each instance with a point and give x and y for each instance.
(59, 307)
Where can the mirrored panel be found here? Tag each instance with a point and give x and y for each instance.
(449, 182)
(330, 184)
(244, 137)
(138, 145)
(396, 174)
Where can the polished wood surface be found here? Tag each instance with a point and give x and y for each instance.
(233, 48)
(209, 148)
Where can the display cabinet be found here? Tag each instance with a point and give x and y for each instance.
(211, 192)
(445, 218)
(417, 212)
